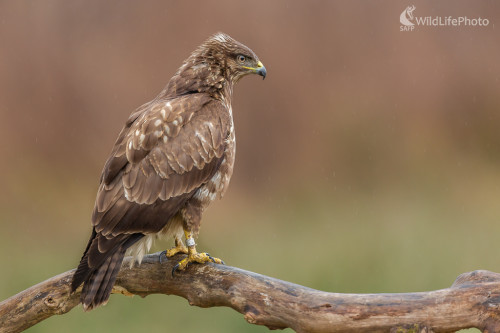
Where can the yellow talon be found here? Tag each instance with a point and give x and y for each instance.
(178, 248)
(200, 258)
(193, 256)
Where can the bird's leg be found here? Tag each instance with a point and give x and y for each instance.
(193, 255)
(178, 248)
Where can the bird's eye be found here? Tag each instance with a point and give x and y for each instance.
(241, 58)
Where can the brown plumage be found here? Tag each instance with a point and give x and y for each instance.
(173, 157)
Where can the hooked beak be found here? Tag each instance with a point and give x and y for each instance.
(260, 70)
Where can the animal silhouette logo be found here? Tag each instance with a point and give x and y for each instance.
(407, 15)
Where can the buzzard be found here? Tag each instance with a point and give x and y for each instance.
(173, 157)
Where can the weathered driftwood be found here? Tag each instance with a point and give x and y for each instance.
(472, 301)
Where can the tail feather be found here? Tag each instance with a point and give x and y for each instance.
(97, 289)
(98, 270)
(83, 271)
(109, 279)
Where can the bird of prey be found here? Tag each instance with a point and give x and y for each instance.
(173, 157)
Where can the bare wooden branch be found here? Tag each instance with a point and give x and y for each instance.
(472, 301)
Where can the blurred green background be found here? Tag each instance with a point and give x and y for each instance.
(368, 160)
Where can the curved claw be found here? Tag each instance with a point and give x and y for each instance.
(174, 269)
(163, 254)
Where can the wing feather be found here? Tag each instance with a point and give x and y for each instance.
(170, 150)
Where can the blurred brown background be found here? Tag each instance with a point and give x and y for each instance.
(367, 161)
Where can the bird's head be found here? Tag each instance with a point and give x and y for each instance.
(232, 57)
(237, 59)
(219, 62)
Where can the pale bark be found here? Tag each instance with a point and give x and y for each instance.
(472, 301)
